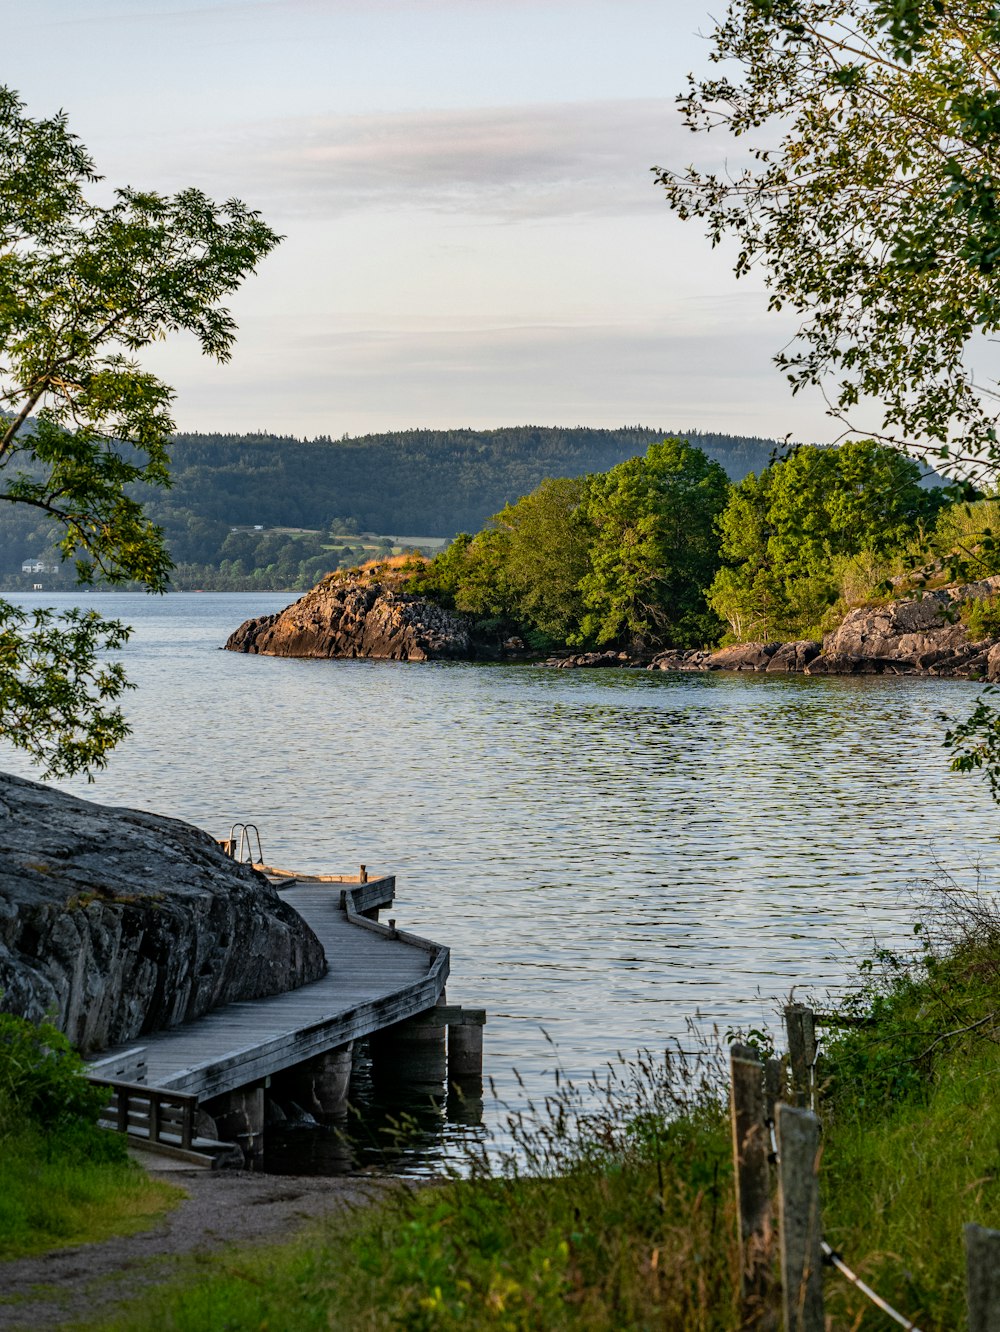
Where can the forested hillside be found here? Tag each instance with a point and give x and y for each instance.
(414, 482)
(434, 482)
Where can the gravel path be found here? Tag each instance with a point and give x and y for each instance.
(223, 1207)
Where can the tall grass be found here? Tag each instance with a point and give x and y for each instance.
(613, 1210)
(912, 1116)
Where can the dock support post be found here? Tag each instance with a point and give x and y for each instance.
(319, 1084)
(239, 1118)
(411, 1052)
(465, 1053)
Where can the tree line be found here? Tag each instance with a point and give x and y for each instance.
(664, 551)
(428, 483)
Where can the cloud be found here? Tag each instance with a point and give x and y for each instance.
(516, 162)
(387, 377)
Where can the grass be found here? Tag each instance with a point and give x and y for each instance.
(912, 1131)
(62, 1179)
(61, 1189)
(614, 1212)
(625, 1219)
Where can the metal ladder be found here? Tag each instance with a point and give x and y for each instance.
(242, 852)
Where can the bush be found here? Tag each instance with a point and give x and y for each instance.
(42, 1077)
(981, 617)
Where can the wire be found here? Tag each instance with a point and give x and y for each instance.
(835, 1260)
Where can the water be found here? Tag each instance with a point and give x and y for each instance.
(608, 854)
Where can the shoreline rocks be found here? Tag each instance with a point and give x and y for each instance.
(115, 921)
(919, 635)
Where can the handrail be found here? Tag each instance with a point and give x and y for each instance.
(441, 955)
(164, 1114)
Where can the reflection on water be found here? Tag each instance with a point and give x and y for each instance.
(606, 853)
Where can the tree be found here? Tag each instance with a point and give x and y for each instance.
(652, 550)
(869, 203)
(84, 287)
(789, 534)
(545, 557)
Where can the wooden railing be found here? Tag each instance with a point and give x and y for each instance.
(150, 1113)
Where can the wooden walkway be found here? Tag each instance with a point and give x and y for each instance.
(377, 976)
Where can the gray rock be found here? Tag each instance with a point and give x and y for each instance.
(911, 628)
(744, 657)
(794, 656)
(680, 660)
(115, 922)
(591, 661)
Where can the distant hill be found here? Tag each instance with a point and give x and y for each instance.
(435, 482)
(430, 482)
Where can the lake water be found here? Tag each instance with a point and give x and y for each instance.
(608, 854)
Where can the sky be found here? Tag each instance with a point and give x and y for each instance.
(473, 235)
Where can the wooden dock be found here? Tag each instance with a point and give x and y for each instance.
(378, 976)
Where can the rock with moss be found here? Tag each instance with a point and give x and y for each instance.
(114, 922)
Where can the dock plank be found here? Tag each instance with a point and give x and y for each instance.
(374, 980)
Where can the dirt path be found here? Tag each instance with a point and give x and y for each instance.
(223, 1207)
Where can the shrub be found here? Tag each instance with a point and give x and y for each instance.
(41, 1077)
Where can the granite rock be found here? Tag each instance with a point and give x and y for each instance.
(115, 922)
(360, 614)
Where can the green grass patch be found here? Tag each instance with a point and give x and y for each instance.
(62, 1179)
(912, 1119)
(61, 1189)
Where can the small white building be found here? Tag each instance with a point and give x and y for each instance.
(38, 567)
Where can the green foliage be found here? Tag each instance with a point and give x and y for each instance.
(622, 556)
(41, 1077)
(58, 693)
(62, 1179)
(816, 527)
(975, 742)
(545, 553)
(868, 201)
(82, 289)
(981, 617)
(652, 551)
(966, 538)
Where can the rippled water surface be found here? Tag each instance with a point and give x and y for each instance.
(606, 853)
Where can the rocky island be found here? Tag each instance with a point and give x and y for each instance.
(359, 613)
(368, 613)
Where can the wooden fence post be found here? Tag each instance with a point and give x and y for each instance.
(799, 1219)
(982, 1274)
(751, 1152)
(774, 1085)
(801, 1029)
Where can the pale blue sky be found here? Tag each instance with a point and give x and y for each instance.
(473, 234)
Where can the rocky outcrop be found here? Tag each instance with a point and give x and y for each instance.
(920, 635)
(363, 614)
(776, 657)
(591, 661)
(116, 922)
(917, 635)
